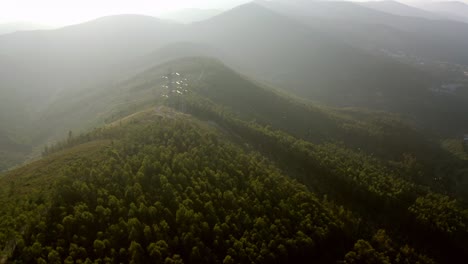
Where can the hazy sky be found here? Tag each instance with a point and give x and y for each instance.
(62, 12)
(59, 12)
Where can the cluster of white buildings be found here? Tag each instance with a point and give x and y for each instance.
(176, 84)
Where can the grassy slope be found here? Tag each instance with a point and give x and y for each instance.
(41, 174)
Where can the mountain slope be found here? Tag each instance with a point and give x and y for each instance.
(441, 40)
(309, 163)
(324, 69)
(383, 135)
(253, 101)
(400, 9)
(38, 67)
(379, 134)
(151, 173)
(44, 69)
(160, 218)
(450, 9)
(142, 191)
(79, 56)
(376, 133)
(315, 65)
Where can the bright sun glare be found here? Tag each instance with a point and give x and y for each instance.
(63, 12)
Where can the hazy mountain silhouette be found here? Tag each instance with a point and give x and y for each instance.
(303, 59)
(79, 56)
(373, 30)
(400, 9)
(450, 9)
(190, 15)
(11, 27)
(320, 58)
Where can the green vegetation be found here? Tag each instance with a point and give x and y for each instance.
(164, 191)
(441, 213)
(380, 193)
(234, 172)
(382, 250)
(386, 137)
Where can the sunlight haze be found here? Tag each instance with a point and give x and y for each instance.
(65, 12)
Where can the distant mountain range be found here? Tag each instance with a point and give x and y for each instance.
(376, 30)
(400, 9)
(340, 54)
(450, 9)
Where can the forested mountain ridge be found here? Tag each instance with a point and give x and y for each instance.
(275, 132)
(45, 73)
(389, 137)
(169, 172)
(262, 190)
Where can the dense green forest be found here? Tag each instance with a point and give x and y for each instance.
(172, 191)
(215, 168)
(267, 131)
